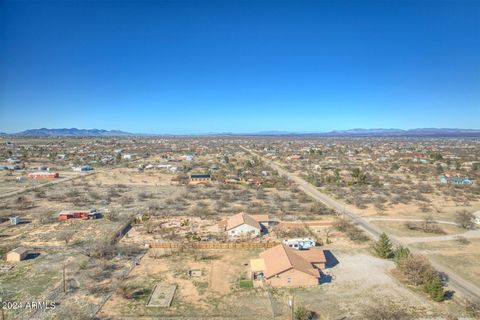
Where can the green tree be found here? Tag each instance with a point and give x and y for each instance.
(383, 247)
(400, 254)
(434, 287)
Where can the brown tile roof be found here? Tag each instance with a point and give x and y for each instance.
(282, 258)
(20, 250)
(260, 217)
(242, 218)
(312, 255)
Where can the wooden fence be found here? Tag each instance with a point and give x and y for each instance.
(214, 245)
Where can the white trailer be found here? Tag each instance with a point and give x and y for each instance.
(300, 243)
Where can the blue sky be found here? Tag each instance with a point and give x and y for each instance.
(239, 66)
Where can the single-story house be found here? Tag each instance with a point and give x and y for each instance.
(43, 175)
(282, 266)
(460, 181)
(66, 215)
(82, 168)
(17, 255)
(244, 224)
(199, 178)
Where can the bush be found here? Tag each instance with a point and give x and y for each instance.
(416, 269)
(246, 284)
(351, 230)
(465, 219)
(301, 313)
(400, 254)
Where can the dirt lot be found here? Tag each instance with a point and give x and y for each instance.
(215, 293)
(358, 281)
(398, 228)
(450, 253)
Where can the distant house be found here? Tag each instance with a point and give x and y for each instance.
(17, 255)
(198, 178)
(66, 215)
(187, 157)
(282, 266)
(459, 181)
(43, 175)
(79, 214)
(476, 217)
(245, 224)
(82, 168)
(10, 167)
(295, 157)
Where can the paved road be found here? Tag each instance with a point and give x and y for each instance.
(455, 282)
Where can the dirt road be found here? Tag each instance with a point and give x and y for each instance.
(50, 183)
(456, 282)
(471, 234)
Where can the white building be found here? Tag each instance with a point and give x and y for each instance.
(243, 224)
(476, 217)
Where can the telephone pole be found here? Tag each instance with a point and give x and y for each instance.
(64, 282)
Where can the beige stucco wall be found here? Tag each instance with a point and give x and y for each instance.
(15, 257)
(244, 229)
(297, 279)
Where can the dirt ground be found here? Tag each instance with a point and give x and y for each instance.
(214, 293)
(132, 177)
(398, 228)
(450, 253)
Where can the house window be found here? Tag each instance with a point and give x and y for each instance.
(289, 280)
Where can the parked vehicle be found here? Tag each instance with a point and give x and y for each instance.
(300, 243)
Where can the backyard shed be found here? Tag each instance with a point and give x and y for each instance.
(17, 254)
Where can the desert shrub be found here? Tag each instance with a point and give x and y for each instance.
(246, 284)
(385, 311)
(132, 291)
(301, 313)
(465, 219)
(463, 240)
(472, 307)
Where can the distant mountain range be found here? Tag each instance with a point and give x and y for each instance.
(72, 132)
(423, 132)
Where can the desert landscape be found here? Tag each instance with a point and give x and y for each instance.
(158, 233)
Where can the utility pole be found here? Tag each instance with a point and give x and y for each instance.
(64, 282)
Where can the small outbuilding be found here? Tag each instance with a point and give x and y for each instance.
(14, 220)
(17, 255)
